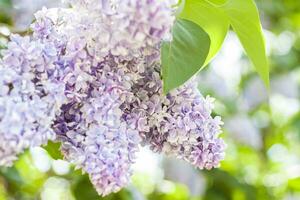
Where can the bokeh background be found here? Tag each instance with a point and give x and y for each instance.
(262, 127)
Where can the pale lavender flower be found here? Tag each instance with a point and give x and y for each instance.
(90, 77)
(138, 24)
(121, 28)
(94, 135)
(30, 97)
(178, 124)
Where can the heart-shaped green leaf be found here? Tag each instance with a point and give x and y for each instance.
(184, 55)
(213, 20)
(215, 16)
(244, 19)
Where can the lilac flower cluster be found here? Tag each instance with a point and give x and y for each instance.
(93, 132)
(179, 123)
(91, 80)
(30, 96)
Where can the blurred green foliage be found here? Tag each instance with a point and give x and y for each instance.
(269, 172)
(5, 11)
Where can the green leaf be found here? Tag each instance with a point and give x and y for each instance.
(213, 20)
(5, 3)
(215, 16)
(11, 175)
(217, 2)
(6, 11)
(83, 189)
(33, 178)
(184, 55)
(53, 150)
(244, 19)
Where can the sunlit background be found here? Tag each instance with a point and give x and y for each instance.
(262, 127)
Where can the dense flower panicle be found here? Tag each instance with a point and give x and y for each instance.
(89, 80)
(70, 36)
(30, 56)
(95, 136)
(29, 97)
(120, 28)
(89, 77)
(139, 24)
(50, 26)
(105, 150)
(178, 124)
(194, 133)
(92, 42)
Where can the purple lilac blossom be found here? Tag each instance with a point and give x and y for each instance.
(178, 124)
(93, 80)
(140, 24)
(94, 135)
(121, 27)
(89, 66)
(30, 97)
